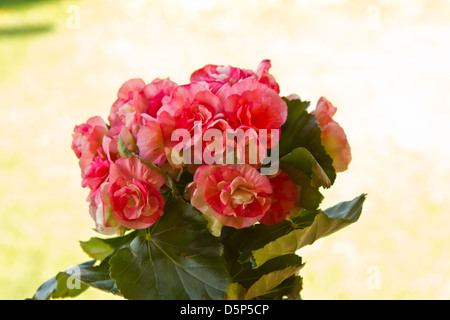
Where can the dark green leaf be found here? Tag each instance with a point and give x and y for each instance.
(267, 280)
(310, 197)
(176, 258)
(301, 159)
(75, 280)
(302, 130)
(324, 224)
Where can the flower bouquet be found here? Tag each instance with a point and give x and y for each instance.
(206, 190)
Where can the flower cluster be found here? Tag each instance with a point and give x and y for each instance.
(159, 133)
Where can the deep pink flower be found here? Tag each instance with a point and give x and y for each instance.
(134, 193)
(235, 195)
(96, 174)
(284, 198)
(87, 139)
(333, 136)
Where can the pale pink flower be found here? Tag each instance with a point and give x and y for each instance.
(262, 75)
(150, 140)
(217, 76)
(135, 98)
(130, 103)
(333, 136)
(100, 211)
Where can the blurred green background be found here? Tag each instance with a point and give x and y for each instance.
(384, 64)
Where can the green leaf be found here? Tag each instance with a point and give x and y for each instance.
(289, 289)
(270, 280)
(75, 280)
(56, 287)
(239, 243)
(310, 197)
(301, 159)
(99, 249)
(235, 291)
(123, 149)
(324, 224)
(302, 130)
(296, 120)
(176, 258)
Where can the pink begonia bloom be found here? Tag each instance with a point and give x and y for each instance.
(333, 136)
(191, 107)
(135, 98)
(255, 105)
(97, 173)
(150, 140)
(284, 198)
(262, 75)
(130, 103)
(155, 92)
(134, 193)
(250, 104)
(87, 139)
(100, 211)
(236, 195)
(218, 75)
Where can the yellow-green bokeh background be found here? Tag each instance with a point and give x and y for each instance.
(384, 64)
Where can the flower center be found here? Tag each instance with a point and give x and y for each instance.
(241, 197)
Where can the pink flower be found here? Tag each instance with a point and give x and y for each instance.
(284, 197)
(97, 173)
(262, 75)
(333, 136)
(135, 98)
(217, 76)
(100, 211)
(130, 103)
(134, 193)
(235, 195)
(155, 92)
(150, 140)
(193, 108)
(254, 107)
(252, 104)
(87, 139)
